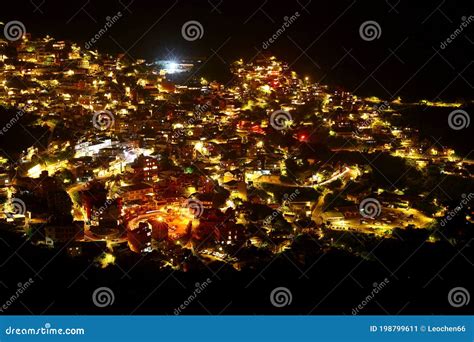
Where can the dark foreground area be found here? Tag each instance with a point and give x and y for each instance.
(417, 278)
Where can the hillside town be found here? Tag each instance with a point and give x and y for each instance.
(151, 158)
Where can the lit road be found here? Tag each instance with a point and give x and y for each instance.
(397, 217)
(318, 207)
(337, 175)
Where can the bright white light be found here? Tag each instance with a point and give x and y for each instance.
(172, 67)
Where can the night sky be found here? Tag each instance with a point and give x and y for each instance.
(324, 42)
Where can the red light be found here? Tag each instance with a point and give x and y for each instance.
(257, 129)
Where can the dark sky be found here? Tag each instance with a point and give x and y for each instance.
(323, 42)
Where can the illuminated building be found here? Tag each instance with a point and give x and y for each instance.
(146, 168)
(139, 239)
(135, 192)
